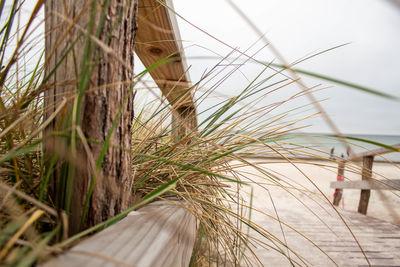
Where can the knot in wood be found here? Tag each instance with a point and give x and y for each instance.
(155, 50)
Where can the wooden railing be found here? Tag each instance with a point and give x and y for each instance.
(367, 183)
(157, 38)
(159, 234)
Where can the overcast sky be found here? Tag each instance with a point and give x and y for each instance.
(298, 28)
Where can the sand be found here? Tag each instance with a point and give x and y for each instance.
(383, 204)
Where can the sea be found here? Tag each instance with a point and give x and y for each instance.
(328, 145)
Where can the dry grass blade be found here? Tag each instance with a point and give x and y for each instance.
(36, 215)
(28, 198)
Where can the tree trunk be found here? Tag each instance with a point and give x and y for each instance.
(109, 88)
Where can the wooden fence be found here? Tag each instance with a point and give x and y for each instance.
(367, 183)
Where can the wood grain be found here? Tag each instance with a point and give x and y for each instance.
(159, 234)
(157, 38)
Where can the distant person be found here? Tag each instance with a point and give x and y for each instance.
(332, 154)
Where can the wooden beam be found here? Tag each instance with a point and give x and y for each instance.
(159, 234)
(157, 38)
(366, 175)
(371, 185)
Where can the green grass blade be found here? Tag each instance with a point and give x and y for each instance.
(8, 28)
(348, 84)
(2, 2)
(345, 83)
(44, 181)
(370, 142)
(191, 168)
(21, 151)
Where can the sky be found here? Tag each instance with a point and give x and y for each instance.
(371, 56)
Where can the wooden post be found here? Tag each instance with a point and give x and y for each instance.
(108, 88)
(337, 196)
(366, 175)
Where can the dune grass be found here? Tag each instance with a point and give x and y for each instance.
(197, 168)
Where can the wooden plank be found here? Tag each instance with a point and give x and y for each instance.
(376, 152)
(371, 185)
(158, 37)
(365, 175)
(159, 234)
(337, 196)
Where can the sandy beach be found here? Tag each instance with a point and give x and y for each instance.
(298, 202)
(302, 180)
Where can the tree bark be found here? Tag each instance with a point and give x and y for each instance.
(110, 87)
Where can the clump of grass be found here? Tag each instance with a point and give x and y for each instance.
(208, 181)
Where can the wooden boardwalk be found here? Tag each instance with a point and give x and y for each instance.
(131, 243)
(380, 240)
(125, 244)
